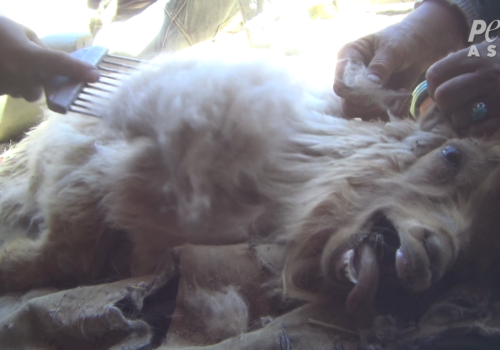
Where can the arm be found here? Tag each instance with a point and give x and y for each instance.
(25, 62)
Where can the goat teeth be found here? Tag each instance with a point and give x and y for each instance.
(401, 264)
(349, 270)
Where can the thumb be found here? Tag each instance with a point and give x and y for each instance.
(52, 62)
(381, 68)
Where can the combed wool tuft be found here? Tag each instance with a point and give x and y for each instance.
(222, 313)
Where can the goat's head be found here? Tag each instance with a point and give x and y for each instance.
(405, 230)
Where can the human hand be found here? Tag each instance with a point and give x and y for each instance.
(457, 83)
(395, 58)
(391, 62)
(25, 62)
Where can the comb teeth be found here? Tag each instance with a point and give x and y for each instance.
(65, 94)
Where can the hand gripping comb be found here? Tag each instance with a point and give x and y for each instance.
(64, 94)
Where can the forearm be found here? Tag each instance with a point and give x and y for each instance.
(471, 10)
(443, 25)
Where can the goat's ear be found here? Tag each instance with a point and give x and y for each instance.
(493, 147)
(432, 118)
(495, 137)
(398, 105)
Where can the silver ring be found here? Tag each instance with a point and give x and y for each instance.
(479, 111)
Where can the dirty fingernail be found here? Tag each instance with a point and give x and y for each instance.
(375, 78)
(93, 75)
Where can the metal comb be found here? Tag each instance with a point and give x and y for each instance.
(64, 94)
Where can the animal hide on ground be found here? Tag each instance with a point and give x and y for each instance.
(228, 205)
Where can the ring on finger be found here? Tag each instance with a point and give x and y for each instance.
(479, 111)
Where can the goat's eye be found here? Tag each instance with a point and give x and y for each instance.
(452, 155)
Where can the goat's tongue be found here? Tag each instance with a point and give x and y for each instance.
(363, 293)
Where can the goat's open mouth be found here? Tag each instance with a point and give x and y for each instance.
(373, 257)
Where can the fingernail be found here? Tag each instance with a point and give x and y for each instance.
(94, 75)
(375, 78)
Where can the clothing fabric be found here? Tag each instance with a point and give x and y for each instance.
(488, 10)
(186, 22)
